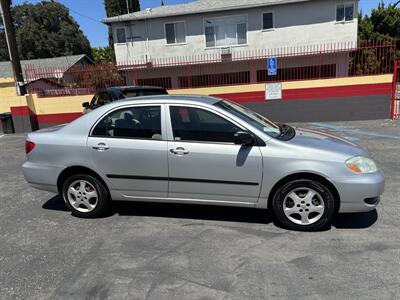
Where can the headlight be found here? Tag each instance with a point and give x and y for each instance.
(361, 164)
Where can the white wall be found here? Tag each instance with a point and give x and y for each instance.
(298, 24)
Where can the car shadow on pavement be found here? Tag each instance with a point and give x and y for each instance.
(55, 203)
(355, 220)
(194, 212)
(213, 213)
(179, 211)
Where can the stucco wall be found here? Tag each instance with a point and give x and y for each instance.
(298, 24)
(30, 112)
(57, 105)
(7, 90)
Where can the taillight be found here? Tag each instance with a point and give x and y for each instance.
(29, 146)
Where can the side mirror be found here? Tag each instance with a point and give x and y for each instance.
(86, 105)
(243, 138)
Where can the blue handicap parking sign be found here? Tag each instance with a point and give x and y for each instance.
(272, 66)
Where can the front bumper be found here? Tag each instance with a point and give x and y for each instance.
(359, 193)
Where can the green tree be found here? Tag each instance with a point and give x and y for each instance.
(3, 46)
(103, 54)
(104, 74)
(45, 30)
(383, 24)
(117, 8)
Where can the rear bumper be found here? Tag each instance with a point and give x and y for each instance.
(41, 176)
(359, 193)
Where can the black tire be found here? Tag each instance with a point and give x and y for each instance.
(103, 200)
(328, 200)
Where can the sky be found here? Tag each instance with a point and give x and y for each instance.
(88, 14)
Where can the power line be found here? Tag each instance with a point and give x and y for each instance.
(87, 17)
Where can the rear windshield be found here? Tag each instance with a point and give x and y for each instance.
(144, 92)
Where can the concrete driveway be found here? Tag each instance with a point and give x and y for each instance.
(158, 251)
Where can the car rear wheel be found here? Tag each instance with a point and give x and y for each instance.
(86, 196)
(304, 205)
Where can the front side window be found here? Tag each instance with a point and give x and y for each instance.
(268, 21)
(344, 12)
(134, 122)
(121, 35)
(175, 33)
(251, 117)
(199, 125)
(227, 31)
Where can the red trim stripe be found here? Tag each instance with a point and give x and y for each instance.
(57, 118)
(338, 91)
(314, 93)
(20, 111)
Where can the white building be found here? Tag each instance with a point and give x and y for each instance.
(229, 26)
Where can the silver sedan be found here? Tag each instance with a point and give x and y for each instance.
(201, 150)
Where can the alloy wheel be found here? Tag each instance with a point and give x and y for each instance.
(82, 195)
(303, 206)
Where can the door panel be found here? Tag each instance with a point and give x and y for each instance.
(136, 168)
(204, 162)
(215, 172)
(128, 148)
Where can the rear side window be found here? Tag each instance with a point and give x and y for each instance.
(134, 122)
(195, 124)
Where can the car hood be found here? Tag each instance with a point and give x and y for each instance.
(308, 138)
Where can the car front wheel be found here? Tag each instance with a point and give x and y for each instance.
(304, 205)
(86, 196)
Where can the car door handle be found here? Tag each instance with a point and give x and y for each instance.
(179, 151)
(101, 147)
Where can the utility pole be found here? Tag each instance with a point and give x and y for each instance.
(127, 7)
(12, 46)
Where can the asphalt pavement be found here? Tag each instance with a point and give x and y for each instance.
(165, 251)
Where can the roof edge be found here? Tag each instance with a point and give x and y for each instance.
(117, 19)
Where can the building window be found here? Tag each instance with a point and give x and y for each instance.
(344, 12)
(121, 35)
(226, 31)
(268, 21)
(175, 33)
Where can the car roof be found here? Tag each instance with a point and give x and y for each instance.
(168, 99)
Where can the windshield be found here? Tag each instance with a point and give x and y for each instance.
(143, 92)
(256, 120)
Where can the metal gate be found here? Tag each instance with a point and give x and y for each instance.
(395, 109)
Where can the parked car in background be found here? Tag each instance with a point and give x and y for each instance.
(107, 95)
(201, 150)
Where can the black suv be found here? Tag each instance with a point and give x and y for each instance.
(111, 94)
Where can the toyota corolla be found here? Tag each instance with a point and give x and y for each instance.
(201, 150)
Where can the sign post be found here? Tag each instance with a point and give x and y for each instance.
(273, 91)
(272, 66)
